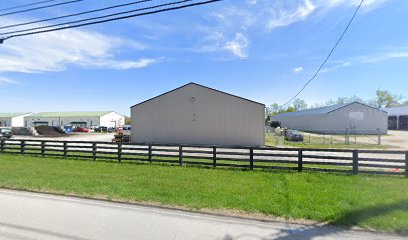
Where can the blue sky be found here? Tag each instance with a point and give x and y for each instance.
(259, 49)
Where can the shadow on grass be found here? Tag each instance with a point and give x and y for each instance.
(343, 224)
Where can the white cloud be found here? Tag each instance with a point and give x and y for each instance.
(7, 81)
(56, 50)
(282, 18)
(297, 70)
(238, 45)
(368, 59)
(367, 5)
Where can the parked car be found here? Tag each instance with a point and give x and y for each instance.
(81, 129)
(111, 129)
(68, 129)
(101, 129)
(5, 133)
(293, 135)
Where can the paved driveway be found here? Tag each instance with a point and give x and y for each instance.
(40, 216)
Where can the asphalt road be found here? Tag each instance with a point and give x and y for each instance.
(40, 216)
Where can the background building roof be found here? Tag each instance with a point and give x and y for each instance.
(11, 115)
(70, 114)
(322, 110)
(397, 111)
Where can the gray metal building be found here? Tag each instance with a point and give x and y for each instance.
(353, 117)
(397, 118)
(197, 115)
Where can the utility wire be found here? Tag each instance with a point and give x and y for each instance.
(116, 18)
(37, 8)
(328, 56)
(95, 18)
(26, 5)
(75, 14)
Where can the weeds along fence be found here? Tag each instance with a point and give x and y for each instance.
(292, 159)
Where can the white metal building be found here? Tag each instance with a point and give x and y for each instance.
(397, 118)
(197, 115)
(355, 117)
(13, 119)
(81, 119)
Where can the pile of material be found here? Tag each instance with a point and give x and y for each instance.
(21, 131)
(49, 131)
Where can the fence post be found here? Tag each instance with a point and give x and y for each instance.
(65, 149)
(94, 151)
(180, 155)
(214, 156)
(406, 164)
(150, 153)
(251, 158)
(22, 146)
(300, 160)
(43, 148)
(120, 152)
(379, 136)
(2, 145)
(355, 161)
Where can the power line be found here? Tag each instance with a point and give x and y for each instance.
(26, 5)
(96, 18)
(42, 7)
(328, 56)
(75, 14)
(116, 18)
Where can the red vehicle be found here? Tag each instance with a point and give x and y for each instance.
(81, 129)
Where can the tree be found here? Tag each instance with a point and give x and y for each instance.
(299, 104)
(128, 121)
(385, 98)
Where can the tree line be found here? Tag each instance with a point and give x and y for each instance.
(382, 99)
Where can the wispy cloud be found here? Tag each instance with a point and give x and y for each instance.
(367, 59)
(56, 50)
(238, 45)
(263, 17)
(297, 70)
(7, 81)
(282, 18)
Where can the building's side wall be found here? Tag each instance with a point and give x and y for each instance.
(213, 118)
(5, 122)
(112, 120)
(63, 121)
(19, 121)
(360, 117)
(355, 116)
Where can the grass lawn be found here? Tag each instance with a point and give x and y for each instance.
(375, 202)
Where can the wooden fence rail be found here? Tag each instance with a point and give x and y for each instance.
(292, 159)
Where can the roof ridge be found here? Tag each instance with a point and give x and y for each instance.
(197, 84)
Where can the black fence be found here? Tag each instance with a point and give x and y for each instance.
(293, 159)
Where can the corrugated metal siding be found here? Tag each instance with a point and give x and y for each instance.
(213, 118)
(338, 119)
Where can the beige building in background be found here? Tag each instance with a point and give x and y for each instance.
(337, 119)
(13, 119)
(198, 115)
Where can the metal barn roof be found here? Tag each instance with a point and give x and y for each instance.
(70, 114)
(199, 85)
(396, 111)
(11, 115)
(322, 110)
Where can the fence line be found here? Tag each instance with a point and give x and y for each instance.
(293, 159)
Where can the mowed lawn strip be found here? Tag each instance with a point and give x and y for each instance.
(375, 202)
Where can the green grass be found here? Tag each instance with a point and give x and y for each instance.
(375, 202)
